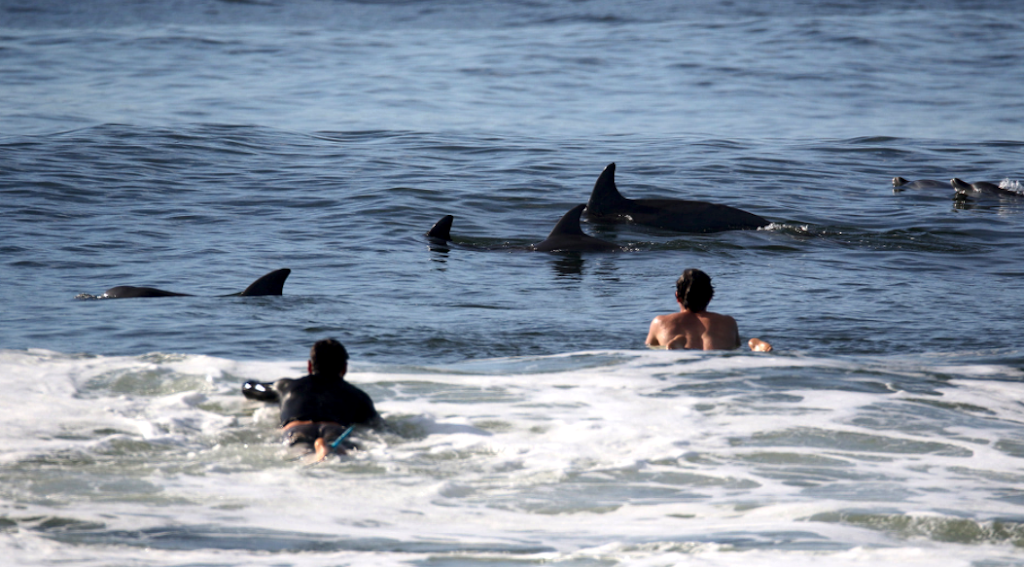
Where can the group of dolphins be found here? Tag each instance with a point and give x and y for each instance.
(963, 189)
(606, 205)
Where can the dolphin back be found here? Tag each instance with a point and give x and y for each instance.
(693, 216)
(270, 284)
(982, 188)
(607, 204)
(899, 183)
(130, 291)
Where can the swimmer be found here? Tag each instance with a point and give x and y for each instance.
(694, 327)
(319, 408)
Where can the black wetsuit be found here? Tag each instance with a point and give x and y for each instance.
(328, 402)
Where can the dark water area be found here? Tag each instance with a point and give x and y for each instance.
(195, 146)
(848, 266)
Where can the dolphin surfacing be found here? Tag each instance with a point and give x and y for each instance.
(567, 236)
(981, 188)
(269, 284)
(130, 291)
(607, 204)
(901, 184)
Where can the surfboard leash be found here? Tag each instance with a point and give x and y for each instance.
(336, 442)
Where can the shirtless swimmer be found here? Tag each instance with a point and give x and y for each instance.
(694, 327)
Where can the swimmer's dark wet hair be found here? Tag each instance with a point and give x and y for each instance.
(694, 289)
(328, 356)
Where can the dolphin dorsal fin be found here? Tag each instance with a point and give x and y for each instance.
(442, 229)
(569, 223)
(605, 197)
(270, 284)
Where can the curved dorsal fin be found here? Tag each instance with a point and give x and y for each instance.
(605, 198)
(270, 284)
(569, 223)
(442, 229)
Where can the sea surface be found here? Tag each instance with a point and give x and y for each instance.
(195, 146)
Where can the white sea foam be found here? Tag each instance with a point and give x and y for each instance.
(643, 457)
(1012, 185)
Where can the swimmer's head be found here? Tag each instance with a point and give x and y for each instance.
(328, 357)
(694, 291)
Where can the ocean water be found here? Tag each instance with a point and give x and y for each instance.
(195, 146)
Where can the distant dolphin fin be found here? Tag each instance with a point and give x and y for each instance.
(442, 229)
(567, 236)
(569, 224)
(270, 284)
(605, 198)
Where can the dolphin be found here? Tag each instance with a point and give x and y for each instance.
(607, 204)
(900, 184)
(567, 236)
(981, 188)
(270, 284)
(130, 291)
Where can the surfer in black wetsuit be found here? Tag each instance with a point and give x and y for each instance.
(319, 408)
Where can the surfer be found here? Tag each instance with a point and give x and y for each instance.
(694, 327)
(321, 408)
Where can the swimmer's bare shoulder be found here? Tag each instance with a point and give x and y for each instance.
(658, 325)
(755, 344)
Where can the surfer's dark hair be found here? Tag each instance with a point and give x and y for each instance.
(328, 357)
(694, 290)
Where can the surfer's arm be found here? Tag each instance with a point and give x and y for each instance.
(262, 391)
(757, 345)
